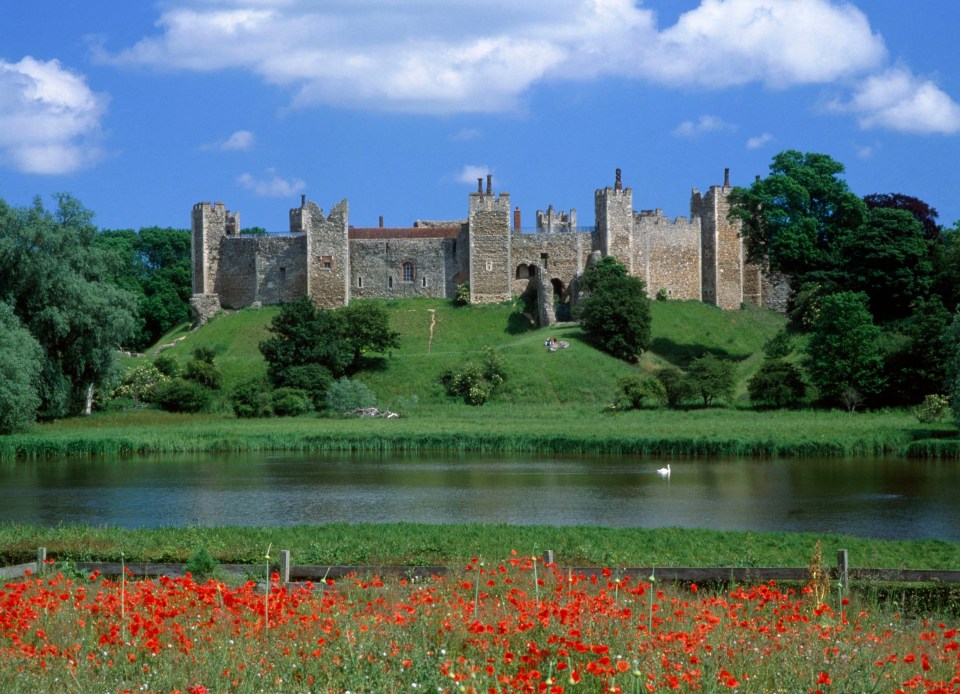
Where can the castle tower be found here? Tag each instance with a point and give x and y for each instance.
(210, 223)
(724, 260)
(488, 231)
(328, 251)
(614, 210)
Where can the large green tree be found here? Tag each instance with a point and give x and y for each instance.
(794, 219)
(615, 310)
(20, 362)
(59, 288)
(844, 354)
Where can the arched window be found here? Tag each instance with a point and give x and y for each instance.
(407, 271)
(390, 282)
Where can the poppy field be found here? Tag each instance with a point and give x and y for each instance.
(515, 625)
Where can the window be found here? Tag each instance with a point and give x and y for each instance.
(359, 282)
(390, 282)
(544, 257)
(423, 280)
(489, 266)
(326, 262)
(283, 275)
(407, 268)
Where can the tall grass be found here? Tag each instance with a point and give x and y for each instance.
(394, 544)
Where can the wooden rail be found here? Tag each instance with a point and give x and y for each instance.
(317, 573)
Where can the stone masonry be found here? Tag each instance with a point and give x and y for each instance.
(697, 258)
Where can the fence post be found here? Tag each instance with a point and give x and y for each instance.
(548, 556)
(41, 559)
(843, 566)
(285, 565)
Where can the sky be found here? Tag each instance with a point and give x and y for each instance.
(140, 109)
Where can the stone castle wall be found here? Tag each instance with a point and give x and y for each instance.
(696, 258)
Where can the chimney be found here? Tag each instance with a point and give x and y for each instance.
(516, 218)
(303, 200)
(489, 184)
(757, 179)
(480, 186)
(726, 177)
(381, 221)
(619, 183)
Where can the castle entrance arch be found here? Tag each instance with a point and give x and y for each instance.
(561, 300)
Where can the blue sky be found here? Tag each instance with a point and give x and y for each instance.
(141, 109)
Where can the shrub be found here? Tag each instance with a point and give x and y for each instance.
(205, 373)
(777, 383)
(167, 365)
(140, 384)
(201, 564)
(290, 402)
(315, 379)
(637, 393)
(181, 395)
(663, 294)
(675, 385)
(346, 395)
(713, 378)
(475, 384)
(933, 409)
(461, 296)
(251, 399)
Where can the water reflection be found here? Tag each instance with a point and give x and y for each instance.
(873, 498)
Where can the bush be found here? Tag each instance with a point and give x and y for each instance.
(637, 393)
(615, 311)
(461, 296)
(315, 379)
(250, 399)
(933, 409)
(290, 402)
(201, 564)
(676, 387)
(140, 384)
(663, 294)
(167, 365)
(475, 384)
(181, 395)
(204, 373)
(777, 383)
(346, 396)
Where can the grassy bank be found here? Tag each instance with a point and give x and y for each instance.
(450, 545)
(497, 427)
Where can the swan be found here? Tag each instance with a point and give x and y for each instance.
(665, 471)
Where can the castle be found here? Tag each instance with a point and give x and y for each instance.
(701, 257)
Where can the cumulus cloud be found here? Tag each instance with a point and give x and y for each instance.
(759, 141)
(707, 124)
(433, 56)
(899, 100)
(49, 118)
(239, 141)
(272, 186)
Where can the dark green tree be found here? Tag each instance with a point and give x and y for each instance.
(20, 361)
(615, 311)
(60, 289)
(794, 219)
(365, 327)
(844, 353)
(915, 362)
(888, 259)
(676, 387)
(712, 378)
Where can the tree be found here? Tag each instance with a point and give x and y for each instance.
(615, 313)
(675, 385)
(713, 378)
(843, 353)
(636, 393)
(59, 288)
(914, 358)
(309, 346)
(20, 360)
(794, 218)
(921, 211)
(889, 260)
(777, 383)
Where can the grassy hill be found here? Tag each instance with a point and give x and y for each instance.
(435, 336)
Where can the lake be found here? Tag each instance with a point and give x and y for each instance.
(885, 498)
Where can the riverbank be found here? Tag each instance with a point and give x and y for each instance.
(415, 544)
(500, 427)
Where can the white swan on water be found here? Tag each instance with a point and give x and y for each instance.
(665, 471)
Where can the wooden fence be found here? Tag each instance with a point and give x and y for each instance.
(292, 573)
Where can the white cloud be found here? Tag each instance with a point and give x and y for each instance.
(470, 173)
(707, 124)
(273, 186)
(467, 134)
(899, 100)
(49, 118)
(759, 141)
(239, 141)
(436, 56)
